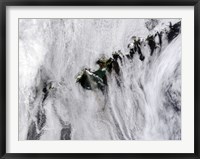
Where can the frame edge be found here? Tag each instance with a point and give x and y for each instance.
(2, 79)
(197, 78)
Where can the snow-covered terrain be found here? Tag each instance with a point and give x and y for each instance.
(146, 107)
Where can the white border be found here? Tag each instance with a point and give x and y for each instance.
(186, 145)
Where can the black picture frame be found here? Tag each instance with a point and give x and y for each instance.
(5, 3)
